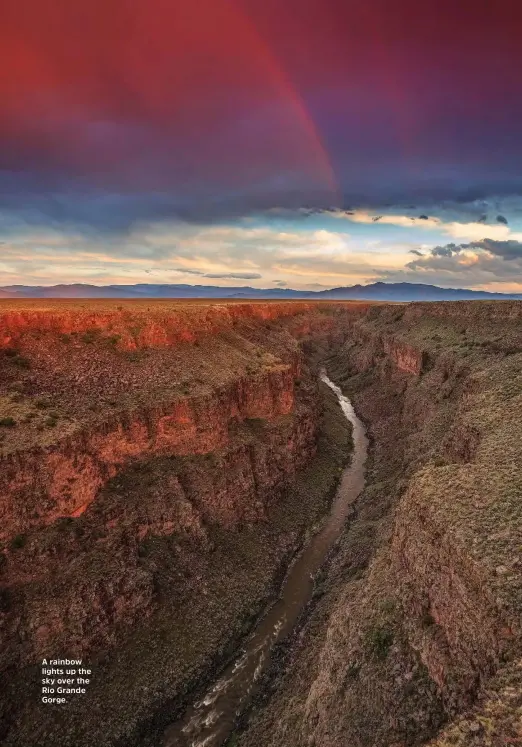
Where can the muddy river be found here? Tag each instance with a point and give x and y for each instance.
(210, 721)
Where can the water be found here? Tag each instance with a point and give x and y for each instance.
(208, 722)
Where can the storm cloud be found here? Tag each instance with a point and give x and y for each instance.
(99, 127)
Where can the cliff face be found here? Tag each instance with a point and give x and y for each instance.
(64, 478)
(232, 484)
(145, 324)
(147, 482)
(139, 446)
(417, 637)
(82, 408)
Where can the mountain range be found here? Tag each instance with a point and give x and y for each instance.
(374, 291)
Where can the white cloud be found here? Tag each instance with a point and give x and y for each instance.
(261, 255)
(469, 231)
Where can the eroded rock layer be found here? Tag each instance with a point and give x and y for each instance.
(141, 443)
(162, 462)
(422, 604)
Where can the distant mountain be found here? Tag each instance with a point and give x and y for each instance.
(372, 292)
(411, 292)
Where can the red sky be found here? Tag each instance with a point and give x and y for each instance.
(258, 96)
(117, 114)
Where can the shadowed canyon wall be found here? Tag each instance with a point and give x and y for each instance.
(140, 443)
(421, 605)
(169, 457)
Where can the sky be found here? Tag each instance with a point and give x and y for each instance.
(274, 143)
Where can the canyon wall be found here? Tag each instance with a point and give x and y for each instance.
(421, 606)
(138, 445)
(62, 479)
(162, 462)
(58, 472)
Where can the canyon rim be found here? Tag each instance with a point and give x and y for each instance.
(164, 463)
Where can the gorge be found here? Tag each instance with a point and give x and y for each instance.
(164, 464)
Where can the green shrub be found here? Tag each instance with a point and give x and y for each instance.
(353, 671)
(18, 541)
(7, 422)
(378, 641)
(89, 336)
(21, 361)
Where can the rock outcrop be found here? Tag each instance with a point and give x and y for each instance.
(418, 635)
(139, 444)
(150, 462)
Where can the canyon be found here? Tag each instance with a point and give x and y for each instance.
(161, 465)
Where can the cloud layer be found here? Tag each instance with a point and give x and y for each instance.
(289, 255)
(298, 142)
(115, 112)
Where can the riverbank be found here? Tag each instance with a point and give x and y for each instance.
(421, 604)
(211, 720)
(238, 573)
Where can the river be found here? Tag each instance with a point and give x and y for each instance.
(210, 721)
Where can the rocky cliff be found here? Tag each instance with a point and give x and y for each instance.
(139, 445)
(162, 464)
(421, 605)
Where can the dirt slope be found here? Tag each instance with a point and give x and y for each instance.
(140, 444)
(422, 603)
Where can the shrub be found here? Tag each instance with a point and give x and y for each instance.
(18, 541)
(21, 361)
(378, 641)
(89, 336)
(7, 422)
(427, 620)
(353, 671)
(63, 522)
(51, 421)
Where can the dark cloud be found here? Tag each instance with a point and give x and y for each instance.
(508, 250)
(502, 219)
(221, 275)
(493, 261)
(100, 129)
(445, 251)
